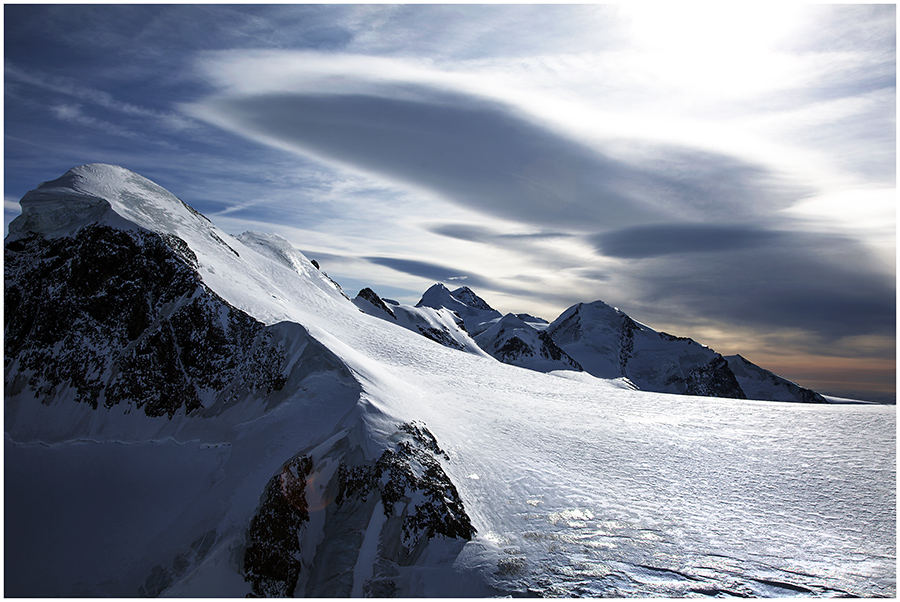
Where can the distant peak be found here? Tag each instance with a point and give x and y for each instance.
(373, 298)
(599, 303)
(530, 318)
(512, 321)
(468, 297)
(437, 287)
(435, 297)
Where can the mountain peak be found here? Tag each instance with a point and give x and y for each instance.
(468, 296)
(474, 310)
(102, 193)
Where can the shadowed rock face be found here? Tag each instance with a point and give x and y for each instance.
(272, 557)
(513, 349)
(392, 506)
(760, 383)
(714, 379)
(397, 475)
(373, 298)
(111, 316)
(468, 296)
(440, 336)
(513, 341)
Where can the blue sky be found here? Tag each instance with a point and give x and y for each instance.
(721, 172)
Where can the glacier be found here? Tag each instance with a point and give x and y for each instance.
(382, 463)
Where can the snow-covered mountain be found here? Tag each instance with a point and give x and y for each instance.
(116, 334)
(609, 344)
(440, 325)
(759, 383)
(513, 341)
(193, 414)
(517, 340)
(476, 314)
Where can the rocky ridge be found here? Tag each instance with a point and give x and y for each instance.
(512, 341)
(110, 317)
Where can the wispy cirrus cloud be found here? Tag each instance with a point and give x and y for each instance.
(69, 87)
(479, 233)
(74, 113)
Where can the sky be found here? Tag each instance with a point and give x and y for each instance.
(724, 172)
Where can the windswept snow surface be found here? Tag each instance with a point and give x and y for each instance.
(575, 484)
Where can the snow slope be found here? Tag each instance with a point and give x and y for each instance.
(575, 485)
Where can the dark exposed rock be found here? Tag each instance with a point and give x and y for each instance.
(714, 379)
(468, 296)
(764, 384)
(626, 342)
(418, 500)
(671, 338)
(121, 316)
(611, 344)
(550, 350)
(568, 330)
(810, 396)
(515, 342)
(335, 284)
(440, 336)
(423, 437)
(412, 467)
(272, 556)
(460, 323)
(513, 349)
(370, 296)
(223, 243)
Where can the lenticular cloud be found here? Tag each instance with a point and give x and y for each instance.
(437, 132)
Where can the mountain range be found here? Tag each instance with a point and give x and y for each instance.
(593, 337)
(190, 413)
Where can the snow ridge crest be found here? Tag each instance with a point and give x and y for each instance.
(109, 195)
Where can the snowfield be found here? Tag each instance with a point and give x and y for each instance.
(576, 485)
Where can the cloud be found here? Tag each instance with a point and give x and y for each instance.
(74, 114)
(486, 155)
(11, 210)
(455, 277)
(673, 239)
(431, 271)
(819, 283)
(681, 230)
(70, 87)
(476, 233)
